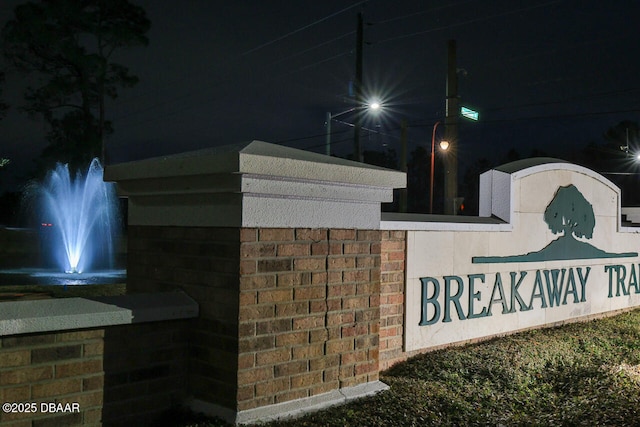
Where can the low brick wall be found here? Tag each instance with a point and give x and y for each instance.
(145, 370)
(393, 300)
(65, 367)
(116, 375)
(284, 314)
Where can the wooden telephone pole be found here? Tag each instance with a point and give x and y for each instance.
(452, 116)
(357, 152)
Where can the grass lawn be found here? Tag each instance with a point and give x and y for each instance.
(578, 374)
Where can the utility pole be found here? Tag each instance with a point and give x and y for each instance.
(403, 162)
(328, 136)
(452, 115)
(357, 152)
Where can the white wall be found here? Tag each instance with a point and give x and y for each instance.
(440, 258)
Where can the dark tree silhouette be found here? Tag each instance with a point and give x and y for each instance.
(3, 107)
(385, 159)
(570, 213)
(71, 43)
(624, 136)
(418, 184)
(616, 159)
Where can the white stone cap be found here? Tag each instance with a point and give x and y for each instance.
(496, 185)
(258, 158)
(50, 315)
(254, 184)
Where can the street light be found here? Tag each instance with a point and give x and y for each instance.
(443, 146)
(371, 106)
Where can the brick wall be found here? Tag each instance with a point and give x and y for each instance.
(63, 367)
(307, 301)
(284, 314)
(204, 262)
(145, 370)
(117, 375)
(392, 301)
(392, 287)
(309, 312)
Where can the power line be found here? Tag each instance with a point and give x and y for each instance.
(546, 117)
(277, 39)
(430, 124)
(302, 52)
(333, 57)
(421, 12)
(563, 101)
(470, 21)
(125, 99)
(188, 107)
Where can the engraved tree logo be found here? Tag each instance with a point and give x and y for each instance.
(570, 213)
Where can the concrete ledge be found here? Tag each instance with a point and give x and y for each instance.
(24, 317)
(632, 214)
(291, 409)
(427, 222)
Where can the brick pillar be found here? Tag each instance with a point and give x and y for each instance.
(309, 312)
(281, 249)
(285, 313)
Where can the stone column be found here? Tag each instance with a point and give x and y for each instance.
(281, 249)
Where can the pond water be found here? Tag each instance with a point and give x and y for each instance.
(40, 276)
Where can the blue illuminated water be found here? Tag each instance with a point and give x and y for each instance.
(41, 276)
(78, 218)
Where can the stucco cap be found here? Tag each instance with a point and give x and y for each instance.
(519, 165)
(259, 158)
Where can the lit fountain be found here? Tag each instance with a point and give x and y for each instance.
(77, 218)
(82, 214)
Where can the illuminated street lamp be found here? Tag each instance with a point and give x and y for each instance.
(443, 146)
(371, 106)
(626, 149)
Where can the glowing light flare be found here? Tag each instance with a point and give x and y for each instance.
(374, 105)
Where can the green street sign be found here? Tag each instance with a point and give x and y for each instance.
(469, 113)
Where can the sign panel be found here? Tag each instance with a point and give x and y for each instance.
(565, 257)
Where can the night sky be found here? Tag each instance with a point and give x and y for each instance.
(546, 74)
